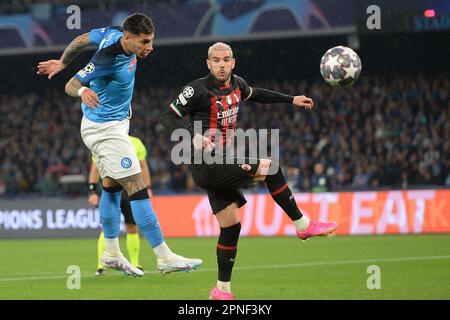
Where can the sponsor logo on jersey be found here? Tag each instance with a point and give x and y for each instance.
(109, 37)
(246, 167)
(188, 92)
(126, 163)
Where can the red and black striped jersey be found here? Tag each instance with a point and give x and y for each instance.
(214, 106)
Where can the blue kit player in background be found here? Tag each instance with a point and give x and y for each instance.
(105, 86)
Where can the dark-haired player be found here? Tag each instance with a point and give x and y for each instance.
(105, 86)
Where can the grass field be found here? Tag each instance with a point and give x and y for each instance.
(412, 267)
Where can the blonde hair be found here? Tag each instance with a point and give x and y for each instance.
(219, 46)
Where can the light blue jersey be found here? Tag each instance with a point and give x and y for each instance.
(110, 74)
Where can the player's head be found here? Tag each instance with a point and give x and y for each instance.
(138, 34)
(220, 61)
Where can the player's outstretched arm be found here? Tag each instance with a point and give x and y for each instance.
(303, 101)
(52, 67)
(268, 96)
(75, 88)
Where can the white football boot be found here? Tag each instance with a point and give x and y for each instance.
(120, 263)
(176, 263)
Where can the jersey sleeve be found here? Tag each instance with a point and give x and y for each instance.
(96, 35)
(188, 99)
(246, 90)
(101, 65)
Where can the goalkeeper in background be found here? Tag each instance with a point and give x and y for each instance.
(132, 230)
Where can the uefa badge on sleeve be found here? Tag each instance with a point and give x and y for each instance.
(89, 68)
(188, 92)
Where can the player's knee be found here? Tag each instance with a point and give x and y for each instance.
(263, 170)
(133, 184)
(108, 182)
(228, 216)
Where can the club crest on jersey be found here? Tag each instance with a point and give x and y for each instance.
(89, 68)
(188, 92)
(126, 163)
(246, 167)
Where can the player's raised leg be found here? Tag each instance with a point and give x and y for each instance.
(280, 192)
(146, 219)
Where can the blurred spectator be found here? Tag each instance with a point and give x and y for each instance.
(319, 180)
(10, 7)
(361, 178)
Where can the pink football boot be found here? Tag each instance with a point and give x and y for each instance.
(317, 228)
(216, 294)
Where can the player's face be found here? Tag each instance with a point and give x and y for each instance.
(141, 45)
(221, 63)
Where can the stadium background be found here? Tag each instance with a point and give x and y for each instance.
(382, 146)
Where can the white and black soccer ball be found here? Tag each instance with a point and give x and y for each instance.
(340, 66)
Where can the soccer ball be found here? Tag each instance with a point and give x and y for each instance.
(340, 66)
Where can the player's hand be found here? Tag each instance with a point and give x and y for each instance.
(201, 142)
(150, 193)
(303, 101)
(50, 67)
(90, 98)
(93, 199)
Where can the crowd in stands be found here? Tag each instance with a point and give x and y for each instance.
(9, 7)
(384, 132)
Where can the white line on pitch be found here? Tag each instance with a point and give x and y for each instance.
(274, 266)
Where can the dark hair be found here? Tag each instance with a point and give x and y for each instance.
(138, 23)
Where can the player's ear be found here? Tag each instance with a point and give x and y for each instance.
(233, 63)
(208, 63)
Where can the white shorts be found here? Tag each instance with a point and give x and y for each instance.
(111, 147)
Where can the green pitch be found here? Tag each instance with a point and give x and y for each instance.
(410, 267)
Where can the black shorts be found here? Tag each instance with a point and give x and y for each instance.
(126, 209)
(223, 181)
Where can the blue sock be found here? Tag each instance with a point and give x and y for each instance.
(110, 211)
(145, 217)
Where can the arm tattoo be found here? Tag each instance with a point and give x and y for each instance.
(132, 184)
(73, 86)
(75, 47)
